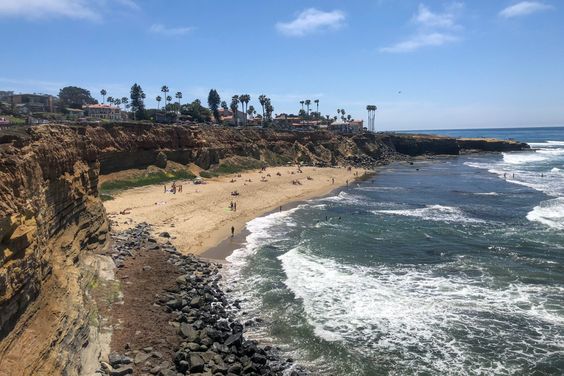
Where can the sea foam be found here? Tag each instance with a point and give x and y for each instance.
(420, 313)
(549, 213)
(433, 213)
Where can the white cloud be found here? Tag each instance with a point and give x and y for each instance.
(76, 9)
(425, 17)
(312, 20)
(524, 8)
(170, 31)
(433, 29)
(419, 41)
(46, 8)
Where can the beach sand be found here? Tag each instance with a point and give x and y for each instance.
(199, 217)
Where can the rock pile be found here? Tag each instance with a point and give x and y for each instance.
(212, 342)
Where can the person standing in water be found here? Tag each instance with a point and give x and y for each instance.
(232, 231)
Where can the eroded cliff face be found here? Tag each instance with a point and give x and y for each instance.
(51, 215)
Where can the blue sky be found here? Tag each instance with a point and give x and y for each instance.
(425, 64)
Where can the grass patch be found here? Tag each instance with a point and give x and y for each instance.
(106, 197)
(233, 165)
(208, 174)
(15, 120)
(148, 179)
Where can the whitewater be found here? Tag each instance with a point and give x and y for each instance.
(453, 266)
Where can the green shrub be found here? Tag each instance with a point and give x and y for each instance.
(148, 179)
(208, 174)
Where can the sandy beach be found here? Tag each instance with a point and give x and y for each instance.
(200, 217)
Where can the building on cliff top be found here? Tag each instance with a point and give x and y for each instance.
(29, 103)
(354, 126)
(226, 116)
(104, 112)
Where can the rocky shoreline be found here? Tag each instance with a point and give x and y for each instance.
(209, 340)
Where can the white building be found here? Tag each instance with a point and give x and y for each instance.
(103, 111)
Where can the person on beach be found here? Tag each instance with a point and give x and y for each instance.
(280, 209)
(232, 231)
(165, 188)
(234, 206)
(347, 183)
(333, 181)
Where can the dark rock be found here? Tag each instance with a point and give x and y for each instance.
(236, 368)
(122, 371)
(189, 332)
(196, 363)
(234, 340)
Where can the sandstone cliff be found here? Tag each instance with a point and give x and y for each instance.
(50, 212)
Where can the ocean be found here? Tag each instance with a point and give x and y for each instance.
(450, 266)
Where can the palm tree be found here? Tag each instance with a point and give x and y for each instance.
(168, 99)
(302, 103)
(235, 108)
(244, 99)
(349, 117)
(158, 98)
(117, 102)
(103, 93)
(251, 111)
(179, 97)
(307, 103)
(124, 100)
(165, 90)
(110, 100)
(317, 104)
(262, 101)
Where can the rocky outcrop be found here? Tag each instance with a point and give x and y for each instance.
(490, 144)
(50, 211)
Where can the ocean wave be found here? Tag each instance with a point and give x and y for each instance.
(522, 157)
(549, 213)
(419, 314)
(342, 197)
(551, 152)
(550, 183)
(545, 144)
(487, 193)
(261, 231)
(433, 213)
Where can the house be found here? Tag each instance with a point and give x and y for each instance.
(103, 112)
(32, 102)
(74, 113)
(354, 126)
(227, 116)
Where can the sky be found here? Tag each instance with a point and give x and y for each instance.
(426, 64)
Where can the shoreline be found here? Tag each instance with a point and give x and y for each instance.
(225, 248)
(198, 220)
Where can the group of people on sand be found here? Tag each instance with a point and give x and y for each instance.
(233, 206)
(174, 188)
